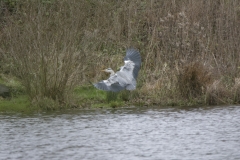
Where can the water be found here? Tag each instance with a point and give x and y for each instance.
(130, 133)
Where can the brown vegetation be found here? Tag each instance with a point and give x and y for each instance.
(193, 79)
(187, 46)
(217, 93)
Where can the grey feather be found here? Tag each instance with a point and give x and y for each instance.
(126, 77)
(134, 56)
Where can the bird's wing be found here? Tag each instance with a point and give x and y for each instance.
(132, 62)
(102, 85)
(134, 56)
(111, 84)
(127, 76)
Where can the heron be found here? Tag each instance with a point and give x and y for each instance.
(126, 77)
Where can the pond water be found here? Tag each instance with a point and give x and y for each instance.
(211, 133)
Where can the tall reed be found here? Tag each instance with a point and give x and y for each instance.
(51, 44)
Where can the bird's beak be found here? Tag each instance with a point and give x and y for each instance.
(103, 70)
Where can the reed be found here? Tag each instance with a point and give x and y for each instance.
(55, 45)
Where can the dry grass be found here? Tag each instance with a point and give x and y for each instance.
(194, 79)
(43, 50)
(218, 93)
(236, 91)
(51, 45)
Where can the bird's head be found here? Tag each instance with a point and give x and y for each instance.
(108, 70)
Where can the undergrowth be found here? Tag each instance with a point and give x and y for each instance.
(190, 49)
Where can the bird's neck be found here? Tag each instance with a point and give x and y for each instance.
(112, 73)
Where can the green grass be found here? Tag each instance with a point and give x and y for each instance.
(19, 101)
(88, 96)
(85, 97)
(89, 92)
(16, 104)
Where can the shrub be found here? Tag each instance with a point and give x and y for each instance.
(46, 103)
(194, 79)
(42, 46)
(217, 93)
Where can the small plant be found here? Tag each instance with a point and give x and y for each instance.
(125, 95)
(217, 93)
(194, 79)
(236, 91)
(111, 96)
(46, 103)
(129, 95)
(115, 104)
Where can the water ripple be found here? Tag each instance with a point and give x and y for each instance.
(131, 133)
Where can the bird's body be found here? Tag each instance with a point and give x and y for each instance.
(126, 77)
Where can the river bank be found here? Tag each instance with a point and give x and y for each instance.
(88, 97)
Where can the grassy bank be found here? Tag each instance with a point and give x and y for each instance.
(16, 104)
(83, 97)
(86, 97)
(190, 50)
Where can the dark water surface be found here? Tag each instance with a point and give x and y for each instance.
(129, 133)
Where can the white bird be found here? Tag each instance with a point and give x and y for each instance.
(126, 77)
